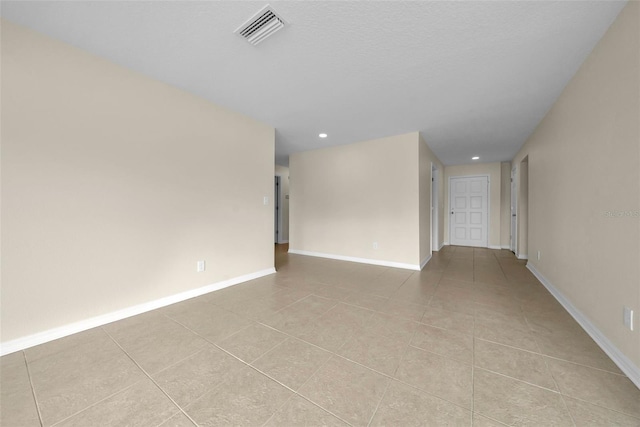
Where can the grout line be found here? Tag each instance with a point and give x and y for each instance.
(33, 390)
(153, 381)
(375, 411)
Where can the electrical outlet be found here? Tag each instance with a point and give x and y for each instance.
(200, 266)
(375, 245)
(628, 318)
(538, 255)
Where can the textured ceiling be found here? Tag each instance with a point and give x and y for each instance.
(475, 78)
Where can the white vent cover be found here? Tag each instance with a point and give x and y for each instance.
(261, 25)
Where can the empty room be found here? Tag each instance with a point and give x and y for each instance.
(314, 213)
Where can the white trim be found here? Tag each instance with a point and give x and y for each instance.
(506, 247)
(520, 256)
(356, 259)
(425, 261)
(494, 247)
(441, 246)
(445, 243)
(282, 242)
(624, 363)
(82, 325)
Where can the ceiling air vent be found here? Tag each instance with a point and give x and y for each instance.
(261, 25)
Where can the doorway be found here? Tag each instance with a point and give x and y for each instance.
(469, 207)
(435, 240)
(514, 212)
(276, 204)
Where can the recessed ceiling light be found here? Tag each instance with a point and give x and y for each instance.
(322, 135)
(475, 158)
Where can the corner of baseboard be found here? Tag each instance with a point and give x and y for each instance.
(494, 247)
(520, 256)
(425, 261)
(623, 362)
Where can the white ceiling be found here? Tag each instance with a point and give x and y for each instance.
(475, 78)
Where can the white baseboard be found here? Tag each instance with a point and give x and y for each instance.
(356, 259)
(441, 246)
(73, 328)
(445, 243)
(627, 366)
(425, 261)
(495, 247)
(519, 256)
(282, 242)
(505, 247)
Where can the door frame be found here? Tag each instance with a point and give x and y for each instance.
(276, 206)
(513, 219)
(488, 219)
(435, 195)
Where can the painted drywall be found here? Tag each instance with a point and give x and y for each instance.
(426, 159)
(522, 210)
(114, 185)
(505, 205)
(584, 186)
(345, 198)
(494, 172)
(283, 173)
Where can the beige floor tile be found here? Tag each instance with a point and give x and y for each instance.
(300, 412)
(69, 381)
(89, 339)
(404, 309)
(252, 342)
(519, 364)
(481, 421)
(17, 405)
(586, 414)
(375, 351)
(449, 302)
(189, 379)
(292, 362)
(331, 330)
(248, 398)
(444, 342)
(515, 402)
(370, 302)
(504, 332)
(405, 406)
(209, 321)
(450, 320)
(296, 317)
(392, 326)
(575, 346)
(261, 308)
(178, 420)
(347, 390)
(437, 375)
(602, 388)
(141, 404)
(154, 341)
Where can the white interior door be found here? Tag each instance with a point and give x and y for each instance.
(468, 200)
(514, 218)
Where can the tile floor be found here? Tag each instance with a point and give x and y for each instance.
(473, 339)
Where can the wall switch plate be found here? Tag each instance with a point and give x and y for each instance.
(375, 245)
(628, 318)
(538, 255)
(265, 200)
(200, 266)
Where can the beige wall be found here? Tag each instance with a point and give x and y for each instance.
(426, 160)
(345, 198)
(114, 185)
(283, 173)
(584, 161)
(522, 210)
(494, 171)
